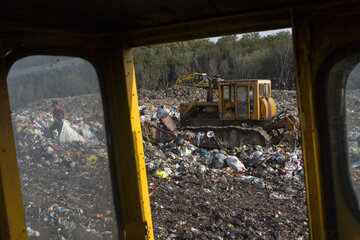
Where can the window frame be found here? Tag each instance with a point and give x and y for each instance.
(333, 75)
(261, 90)
(91, 57)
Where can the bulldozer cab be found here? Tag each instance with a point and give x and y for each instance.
(193, 79)
(245, 100)
(201, 80)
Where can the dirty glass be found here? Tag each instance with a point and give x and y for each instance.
(251, 99)
(61, 148)
(221, 179)
(232, 93)
(261, 90)
(242, 94)
(242, 109)
(267, 89)
(226, 92)
(353, 126)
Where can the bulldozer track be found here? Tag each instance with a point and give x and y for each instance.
(232, 136)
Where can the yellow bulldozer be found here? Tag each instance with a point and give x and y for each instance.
(245, 113)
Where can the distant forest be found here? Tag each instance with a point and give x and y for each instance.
(250, 56)
(158, 66)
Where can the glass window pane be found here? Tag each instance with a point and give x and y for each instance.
(261, 90)
(251, 99)
(353, 126)
(61, 148)
(226, 92)
(267, 89)
(242, 109)
(232, 94)
(242, 94)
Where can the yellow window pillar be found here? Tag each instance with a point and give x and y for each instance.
(12, 219)
(126, 144)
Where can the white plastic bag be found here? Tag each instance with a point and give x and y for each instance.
(86, 132)
(69, 135)
(235, 164)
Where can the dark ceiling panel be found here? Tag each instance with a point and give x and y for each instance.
(127, 15)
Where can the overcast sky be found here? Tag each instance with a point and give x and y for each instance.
(264, 33)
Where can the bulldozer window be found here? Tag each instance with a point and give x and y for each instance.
(226, 92)
(251, 99)
(352, 103)
(267, 89)
(344, 131)
(261, 90)
(232, 93)
(242, 109)
(242, 94)
(60, 138)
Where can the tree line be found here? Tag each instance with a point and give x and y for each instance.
(232, 57)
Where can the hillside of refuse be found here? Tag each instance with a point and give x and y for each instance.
(247, 192)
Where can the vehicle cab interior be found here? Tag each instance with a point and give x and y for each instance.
(326, 47)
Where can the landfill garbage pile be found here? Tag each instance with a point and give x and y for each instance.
(66, 184)
(172, 96)
(246, 192)
(285, 100)
(352, 122)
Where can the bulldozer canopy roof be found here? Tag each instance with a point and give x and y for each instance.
(245, 81)
(127, 15)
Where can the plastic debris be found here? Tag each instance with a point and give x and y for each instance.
(235, 164)
(201, 168)
(161, 174)
(279, 196)
(249, 179)
(91, 160)
(205, 155)
(69, 135)
(218, 160)
(32, 232)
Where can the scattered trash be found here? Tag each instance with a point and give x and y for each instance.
(65, 180)
(69, 135)
(69, 228)
(168, 171)
(279, 196)
(186, 180)
(201, 168)
(235, 164)
(168, 122)
(218, 160)
(249, 179)
(161, 174)
(356, 164)
(205, 154)
(32, 232)
(91, 160)
(208, 182)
